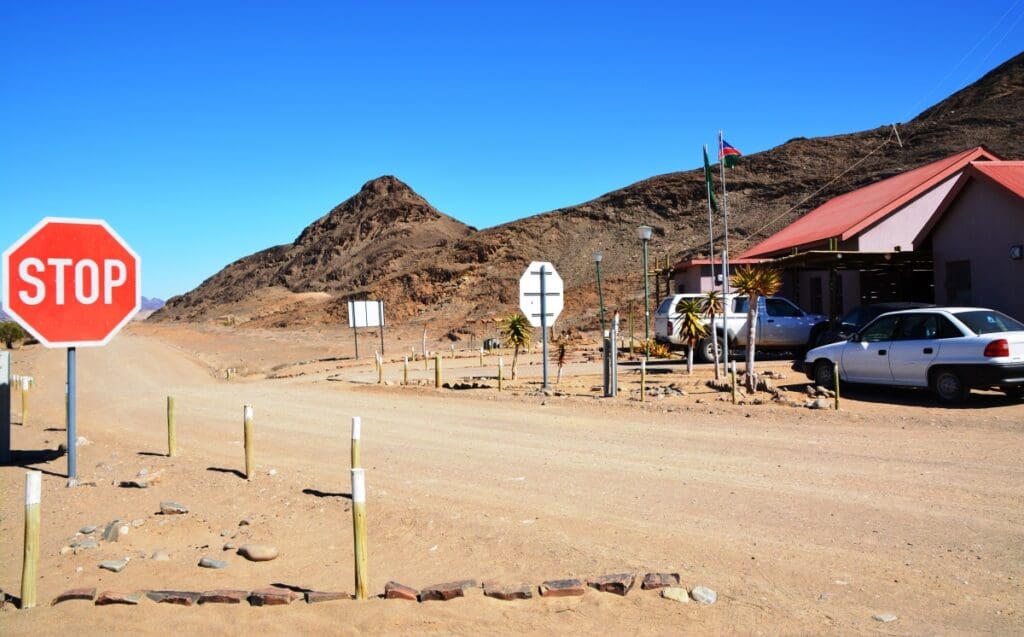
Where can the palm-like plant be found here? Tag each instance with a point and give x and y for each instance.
(755, 282)
(517, 333)
(691, 327)
(559, 356)
(711, 305)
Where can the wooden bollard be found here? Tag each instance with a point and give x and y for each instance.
(172, 431)
(25, 384)
(357, 427)
(359, 531)
(30, 561)
(481, 357)
(501, 371)
(250, 465)
(835, 375)
(643, 381)
(405, 371)
(733, 372)
(380, 369)
(426, 360)
(437, 370)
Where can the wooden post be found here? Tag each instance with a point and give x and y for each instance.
(359, 531)
(835, 372)
(733, 371)
(643, 381)
(426, 362)
(405, 371)
(501, 370)
(250, 466)
(30, 561)
(380, 370)
(437, 370)
(481, 357)
(357, 426)
(172, 432)
(24, 400)
(453, 351)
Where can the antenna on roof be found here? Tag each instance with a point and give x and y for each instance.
(897, 135)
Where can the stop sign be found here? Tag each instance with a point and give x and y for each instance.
(71, 282)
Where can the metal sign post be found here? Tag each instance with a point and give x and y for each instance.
(544, 324)
(366, 314)
(541, 300)
(72, 424)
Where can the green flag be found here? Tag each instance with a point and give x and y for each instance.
(711, 186)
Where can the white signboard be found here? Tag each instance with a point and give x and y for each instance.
(365, 313)
(530, 293)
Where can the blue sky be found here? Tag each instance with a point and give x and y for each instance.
(205, 131)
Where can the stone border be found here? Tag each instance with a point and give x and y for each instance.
(617, 584)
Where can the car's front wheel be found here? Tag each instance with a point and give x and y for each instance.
(825, 374)
(706, 350)
(949, 385)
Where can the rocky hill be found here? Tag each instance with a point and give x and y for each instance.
(387, 242)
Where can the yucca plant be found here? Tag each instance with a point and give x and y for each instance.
(755, 282)
(691, 327)
(711, 306)
(517, 333)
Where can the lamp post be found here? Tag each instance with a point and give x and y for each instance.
(600, 292)
(644, 232)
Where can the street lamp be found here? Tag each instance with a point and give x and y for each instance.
(644, 232)
(600, 292)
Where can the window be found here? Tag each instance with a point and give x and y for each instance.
(947, 329)
(781, 307)
(917, 327)
(880, 330)
(988, 321)
(666, 306)
(740, 305)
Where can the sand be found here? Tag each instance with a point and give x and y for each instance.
(803, 522)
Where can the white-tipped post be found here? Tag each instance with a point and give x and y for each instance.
(405, 371)
(501, 371)
(643, 380)
(359, 531)
(357, 426)
(30, 561)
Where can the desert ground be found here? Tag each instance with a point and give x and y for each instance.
(803, 521)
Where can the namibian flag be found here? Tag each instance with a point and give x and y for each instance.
(727, 154)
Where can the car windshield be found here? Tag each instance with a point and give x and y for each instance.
(989, 321)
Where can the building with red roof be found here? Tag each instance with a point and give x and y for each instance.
(976, 238)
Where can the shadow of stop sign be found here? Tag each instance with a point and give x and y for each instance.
(71, 282)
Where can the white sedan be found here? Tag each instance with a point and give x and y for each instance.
(947, 349)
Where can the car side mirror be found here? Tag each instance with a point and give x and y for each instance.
(854, 338)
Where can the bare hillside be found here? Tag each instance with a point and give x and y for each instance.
(387, 242)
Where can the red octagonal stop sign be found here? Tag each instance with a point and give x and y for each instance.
(71, 282)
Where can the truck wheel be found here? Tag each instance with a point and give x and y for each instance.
(706, 350)
(949, 386)
(824, 374)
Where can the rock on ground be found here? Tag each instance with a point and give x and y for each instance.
(258, 552)
(704, 595)
(676, 593)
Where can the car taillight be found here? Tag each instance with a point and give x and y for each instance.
(1000, 347)
(670, 327)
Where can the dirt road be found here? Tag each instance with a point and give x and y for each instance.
(804, 522)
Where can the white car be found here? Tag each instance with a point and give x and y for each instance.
(947, 349)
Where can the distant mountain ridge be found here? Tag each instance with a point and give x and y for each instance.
(387, 242)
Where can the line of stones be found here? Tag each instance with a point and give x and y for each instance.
(619, 584)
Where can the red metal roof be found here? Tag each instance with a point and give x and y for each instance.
(847, 215)
(1008, 174)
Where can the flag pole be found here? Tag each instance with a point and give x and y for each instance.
(725, 253)
(711, 256)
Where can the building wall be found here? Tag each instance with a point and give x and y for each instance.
(900, 228)
(696, 278)
(979, 228)
(799, 286)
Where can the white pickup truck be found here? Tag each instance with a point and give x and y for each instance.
(781, 325)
